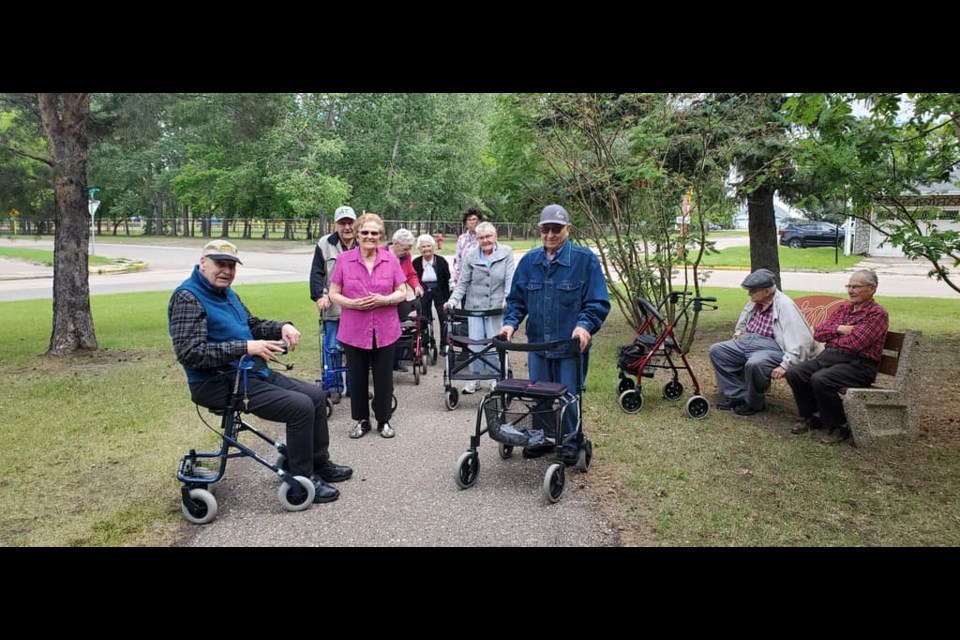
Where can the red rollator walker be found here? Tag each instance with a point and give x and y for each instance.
(656, 347)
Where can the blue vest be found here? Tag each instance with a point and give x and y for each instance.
(226, 320)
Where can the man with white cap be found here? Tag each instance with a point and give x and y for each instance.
(770, 336)
(560, 289)
(212, 331)
(324, 258)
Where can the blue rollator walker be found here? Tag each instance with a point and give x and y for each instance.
(526, 413)
(458, 356)
(333, 368)
(199, 505)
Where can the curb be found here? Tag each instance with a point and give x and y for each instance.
(130, 266)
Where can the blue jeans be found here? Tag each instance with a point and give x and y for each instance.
(564, 371)
(333, 359)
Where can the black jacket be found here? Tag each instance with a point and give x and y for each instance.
(443, 273)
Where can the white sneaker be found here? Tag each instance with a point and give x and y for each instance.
(470, 387)
(492, 384)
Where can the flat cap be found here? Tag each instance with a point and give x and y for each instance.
(759, 279)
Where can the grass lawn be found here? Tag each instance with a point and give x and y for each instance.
(812, 258)
(39, 256)
(666, 479)
(91, 442)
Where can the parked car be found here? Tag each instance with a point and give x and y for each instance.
(798, 235)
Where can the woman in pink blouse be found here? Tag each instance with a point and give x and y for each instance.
(367, 283)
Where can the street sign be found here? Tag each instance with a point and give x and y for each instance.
(93, 205)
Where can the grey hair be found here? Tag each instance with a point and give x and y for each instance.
(869, 276)
(403, 236)
(426, 238)
(485, 226)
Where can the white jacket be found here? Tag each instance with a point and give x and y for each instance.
(790, 330)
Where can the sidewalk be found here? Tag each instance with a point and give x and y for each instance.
(22, 270)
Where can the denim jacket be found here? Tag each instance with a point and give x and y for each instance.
(557, 296)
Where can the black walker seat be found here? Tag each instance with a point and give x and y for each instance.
(528, 413)
(458, 355)
(198, 481)
(655, 347)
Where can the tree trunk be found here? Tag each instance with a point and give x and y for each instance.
(65, 117)
(187, 226)
(762, 226)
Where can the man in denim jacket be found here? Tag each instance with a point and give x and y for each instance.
(560, 289)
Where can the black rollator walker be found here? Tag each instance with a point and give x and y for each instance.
(199, 505)
(458, 355)
(525, 413)
(655, 346)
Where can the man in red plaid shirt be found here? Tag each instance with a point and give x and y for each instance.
(854, 337)
(770, 337)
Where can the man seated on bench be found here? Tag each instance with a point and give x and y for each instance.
(770, 337)
(854, 336)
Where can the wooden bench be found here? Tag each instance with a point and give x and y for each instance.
(884, 409)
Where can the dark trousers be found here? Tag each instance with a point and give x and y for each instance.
(360, 361)
(816, 384)
(302, 406)
(433, 296)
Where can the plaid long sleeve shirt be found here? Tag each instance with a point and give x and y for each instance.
(188, 329)
(870, 326)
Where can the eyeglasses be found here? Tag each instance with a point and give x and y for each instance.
(856, 286)
(369, 233)
(551, 228)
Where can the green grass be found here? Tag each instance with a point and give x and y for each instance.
(813, 258)
(40, 256)
(91, 443)
(728, 480)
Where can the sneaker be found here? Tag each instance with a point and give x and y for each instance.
(360, 429)
(335, 397)
(537, 450)
(386, 431)
(493, 385)
(400, 368)
(470, 387)
(323, 492)
(201, 472)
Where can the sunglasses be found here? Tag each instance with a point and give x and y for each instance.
(369, 233)
(551, 228)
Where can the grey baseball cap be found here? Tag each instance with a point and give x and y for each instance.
(554, 214)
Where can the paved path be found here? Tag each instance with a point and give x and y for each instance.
(403, 491)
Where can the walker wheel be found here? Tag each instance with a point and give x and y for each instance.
(506, 450)
(554, 482)
(631, 400)
(626, 384)
(433, 353)
(468, 468)
(296, 499)
(453, 397)
(585, 456)
(672, 390)
(200, 508)
(416, 373)
(697, 407)
(329, 407)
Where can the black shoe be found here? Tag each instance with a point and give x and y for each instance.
(840, 434)
(324, 492)
(726, 404)
(537, 450)
(332, 472)
(570, 455)
(805, 425)
(743, 409)
(401, 368)
(335, 397)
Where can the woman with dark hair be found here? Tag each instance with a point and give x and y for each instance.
(467, 240)
(368, 284)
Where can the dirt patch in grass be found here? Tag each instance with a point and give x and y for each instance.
(83, 361)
